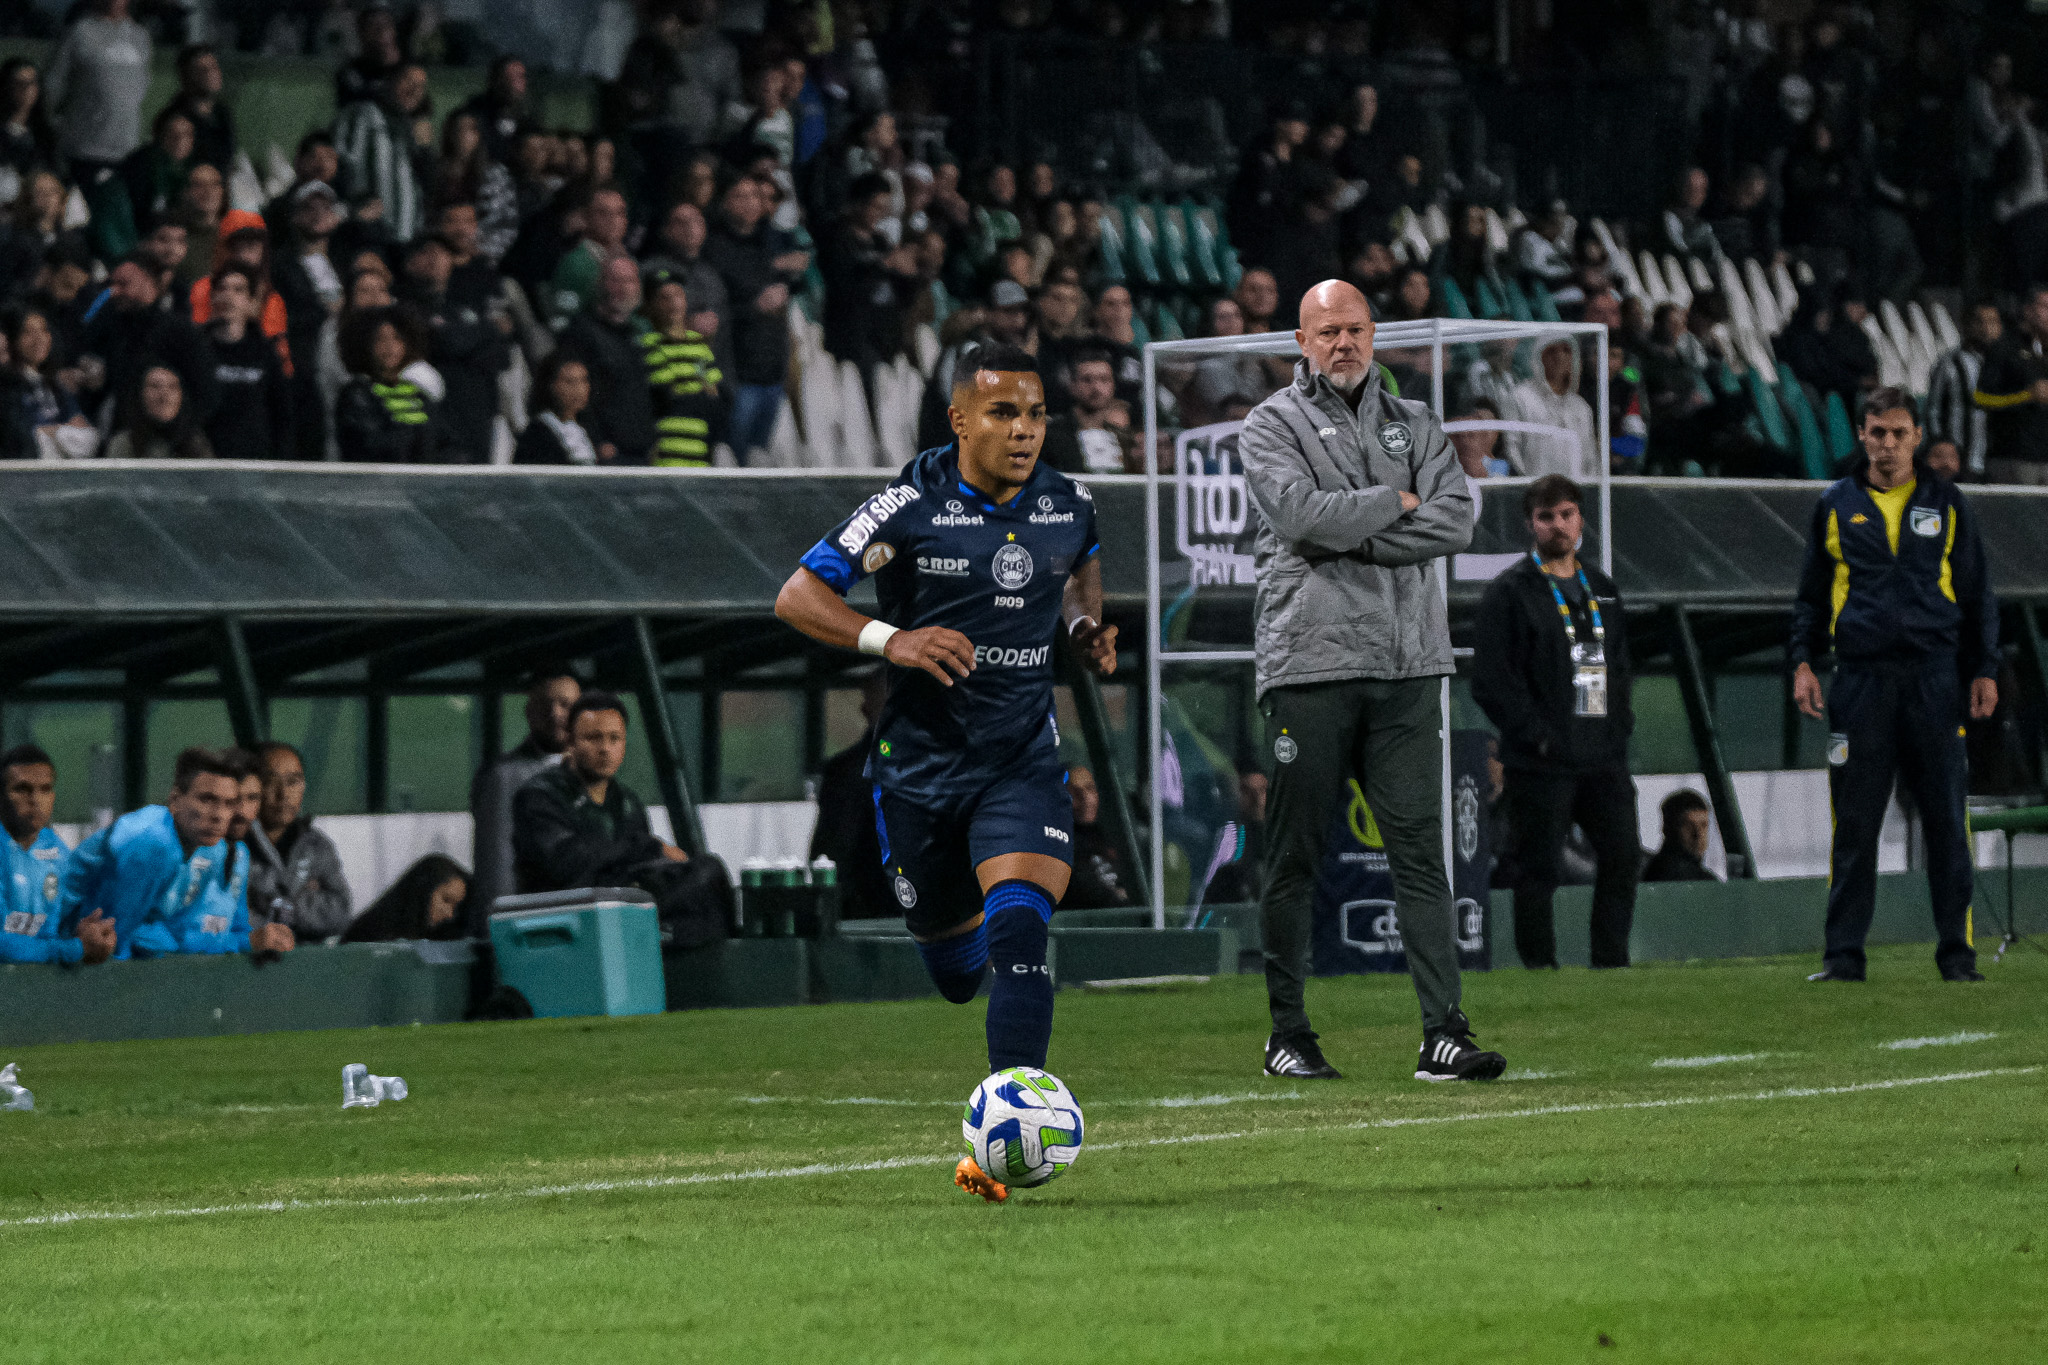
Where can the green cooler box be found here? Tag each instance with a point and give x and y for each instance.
(596, 951)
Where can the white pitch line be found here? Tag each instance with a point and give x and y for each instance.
(661, 1182)
(1717, 1059)
(1945, 1040)
(1209, 1101)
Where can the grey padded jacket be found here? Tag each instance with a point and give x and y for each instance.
(1347, 587)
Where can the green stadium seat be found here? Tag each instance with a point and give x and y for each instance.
(1519, 307)
(1491, 304)
(1770, 417)
(1841, 432)
(1813, 448)
(1544, 306)
(1173, 242)
(1204, 250)
(1165, 323)
(1113, 248)
(1143, 238)
(1454, 302)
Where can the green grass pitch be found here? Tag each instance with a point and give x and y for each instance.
(650, 1189)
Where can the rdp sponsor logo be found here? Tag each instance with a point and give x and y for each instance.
(942, 565)
(869, 519)
(998, 657)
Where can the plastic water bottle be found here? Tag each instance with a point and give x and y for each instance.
(391, 1087)
(15, 1095)
(355, 1087)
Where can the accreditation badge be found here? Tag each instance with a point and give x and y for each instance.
(1589, 690)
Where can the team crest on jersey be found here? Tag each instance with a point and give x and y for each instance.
(1395, 438)
(1926, 521)
(906, 894)
(50, 886)
(1285, 749)
(1838, 750)
(1011, 566)
(877, 556)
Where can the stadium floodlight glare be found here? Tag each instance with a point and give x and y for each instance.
(1214, 519)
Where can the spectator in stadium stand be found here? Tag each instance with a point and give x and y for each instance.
(1413, 297)
(574, 281)
(1683, 414)
(369, 289)
(575, 824)
(1224, 388)
(868, 283)
(47, 413)
(1687, 819)
(1349, 662)
(94, 89)
(1903, 598)
(1942, 459)
(378, 140)
(754, 261)
(681, 76)
(157, 871)
(679, 249)
(245, 241)
(1264, 186)
(59, 292)
(35, 225)
(378, 57)
(1552, 399)
(160, 424)
(199, 99)
(200, 207)
(1542, 249)
(1747, 226)
(2012, 389)
(500, 109)
(425, 902)
(1628, 427)
(1372, 270)
(380, 416)
(1094, 434)
(1685, 231)
(1477, 451)
(1952, 411)
(1114, 332)
(550, 692)
(26, 139)
(606, 337)
(1100, 881)
(153, 176)
(467, 348)
(561, 391)
(253, 420)
(30, 904)
(995, 223)
(309, 287)
(163, 250)
(467, 174)
(1826, 349)
(295, 872)
(683, 376)
(2021, 206)
(1551, 670)
(315, 160)
(1258, 298)
(845, 830)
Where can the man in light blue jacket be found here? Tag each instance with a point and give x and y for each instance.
(166, 874)
(35, 867)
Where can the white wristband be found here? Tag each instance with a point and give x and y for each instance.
(874, 637)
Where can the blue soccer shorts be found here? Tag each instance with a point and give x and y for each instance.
(930, 851)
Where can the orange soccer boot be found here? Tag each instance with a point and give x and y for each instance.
(974, 1180)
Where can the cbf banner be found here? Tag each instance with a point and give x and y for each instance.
(1354, 908)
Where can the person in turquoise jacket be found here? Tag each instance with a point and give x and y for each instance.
(167, 875)
(35, 867)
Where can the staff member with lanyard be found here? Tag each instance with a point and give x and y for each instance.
(1895, 579)
(1357, 493)
(1551, 671)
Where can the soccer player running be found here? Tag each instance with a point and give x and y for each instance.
(981, 555)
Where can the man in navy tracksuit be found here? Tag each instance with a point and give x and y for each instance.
(1895, 575)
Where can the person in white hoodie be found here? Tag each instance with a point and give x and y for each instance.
(1551, 399)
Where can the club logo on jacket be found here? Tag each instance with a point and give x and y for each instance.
(1285, 749)
(1926, 521)
(1395, 438)
(1838, 750)
(906, 894)
(1012, 566)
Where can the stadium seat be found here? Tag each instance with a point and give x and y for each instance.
(1112, 246)
(925, 341)
(1623, 268)
(1453, 297)
(1676, 286)
(1199, 228)
(1923, 330)
(1142, 237)
(1944, 327)
(1919, 364)
(1436, 227)
(1497, 239)
(1740, 314)
(1173, 238)
(1518, 304)
(1542, 304)
(1491, 303)
(1763, 298)
(1787, 295)
(1770, 417)
(1841, 434)
(1650, 276)
(1813, 449)
(1891, 366)
(1702, 281)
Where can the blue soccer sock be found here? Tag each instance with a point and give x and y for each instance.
(957, 963)
(1019, 919)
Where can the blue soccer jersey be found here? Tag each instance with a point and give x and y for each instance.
(944, 554)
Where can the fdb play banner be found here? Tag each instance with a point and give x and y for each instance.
(1355, 929)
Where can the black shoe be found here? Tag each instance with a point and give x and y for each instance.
(1297, 1058)
(1832, 974)
(1962, 974)
(1450, 1054)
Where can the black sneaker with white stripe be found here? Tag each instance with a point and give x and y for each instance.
(1298, 1059)
(1449, 1054)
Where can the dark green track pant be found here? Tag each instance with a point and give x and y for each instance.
(1389, 737)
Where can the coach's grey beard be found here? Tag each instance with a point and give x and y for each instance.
(1347, 387)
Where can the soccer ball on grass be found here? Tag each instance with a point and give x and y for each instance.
(1023, 1126)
